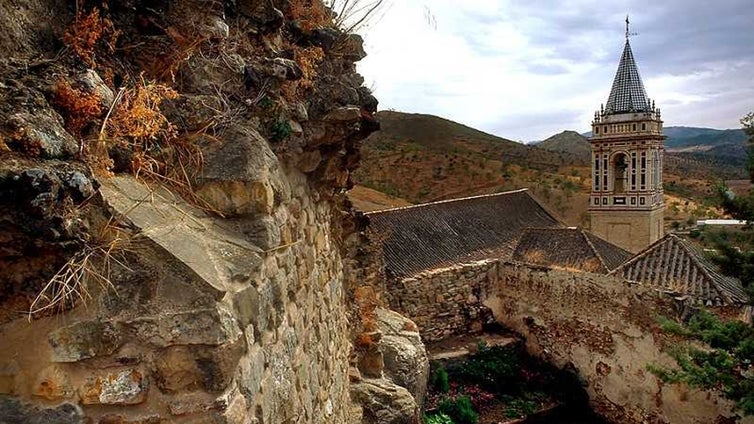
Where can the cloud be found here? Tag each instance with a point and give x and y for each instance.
(549, 64)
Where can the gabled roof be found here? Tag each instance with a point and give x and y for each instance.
(627, 94)
(439, 234)
(676, 265)
(569, 248)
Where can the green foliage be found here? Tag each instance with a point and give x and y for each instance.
(440, 380)
(438, 418)
(280, 130)
(492, 368)
(520, 407)
(724, 364)
(460, 410)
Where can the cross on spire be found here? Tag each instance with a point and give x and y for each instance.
(628, 31)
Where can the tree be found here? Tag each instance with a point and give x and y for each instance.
(726, 363)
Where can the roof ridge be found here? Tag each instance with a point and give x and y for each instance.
(456, 199)
(594, 249)
(705, 270)
(642, 253)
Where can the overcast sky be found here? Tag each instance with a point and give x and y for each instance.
(526, 70)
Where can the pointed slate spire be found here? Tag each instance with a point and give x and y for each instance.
(627, 94)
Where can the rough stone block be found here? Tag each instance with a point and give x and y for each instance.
(212, 327)
(126, 387)
(82, 340)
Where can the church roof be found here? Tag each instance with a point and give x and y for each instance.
(569, 248)
(627, 94)
(675, 265)
(445, 233)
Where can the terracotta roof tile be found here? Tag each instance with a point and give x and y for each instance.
(434, 235)
(676, 265)
(569, 248)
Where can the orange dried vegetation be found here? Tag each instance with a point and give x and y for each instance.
(310, 14)
(138, 115)
(308, 59)
(78, 107)
(86, 33)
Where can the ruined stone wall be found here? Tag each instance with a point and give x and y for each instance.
(206, 327)
(445, 302)
(596, 325)
(228, 304)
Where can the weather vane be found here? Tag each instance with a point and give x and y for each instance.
(629, 33)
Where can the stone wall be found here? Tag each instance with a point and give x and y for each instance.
(206, 326)
(445, 302)
(229, 304)
(597, 325)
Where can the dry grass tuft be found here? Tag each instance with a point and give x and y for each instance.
(88, 31)
(309, 60)
(138, 116)
(93, 264)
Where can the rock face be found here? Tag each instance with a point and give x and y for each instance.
(228, 305)
(395, 372)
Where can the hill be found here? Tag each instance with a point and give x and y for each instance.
(420, 158)
(683, 137)
(569, 142)
(423, 158)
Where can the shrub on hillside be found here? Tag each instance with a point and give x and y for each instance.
(460, 410)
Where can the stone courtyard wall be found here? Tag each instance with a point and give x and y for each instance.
(597, 325)
(445, 302)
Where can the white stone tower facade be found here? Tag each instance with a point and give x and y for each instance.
(626, 203)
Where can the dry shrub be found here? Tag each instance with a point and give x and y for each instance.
(138, 117)
(158, 153)
(166, 63)
(86, 33)
(309, 60)
(310, 14)
(78, 107)
(93, 264)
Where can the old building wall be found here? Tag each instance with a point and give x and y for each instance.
(445, 302)
(597, 325)
(228, 303)
(631, 230)
(205, 327)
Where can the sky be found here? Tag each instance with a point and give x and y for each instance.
(528, 69)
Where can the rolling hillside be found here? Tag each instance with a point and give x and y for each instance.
(568, 142)
(419, 158)
(423, 158)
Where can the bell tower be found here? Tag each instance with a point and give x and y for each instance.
(626, 203)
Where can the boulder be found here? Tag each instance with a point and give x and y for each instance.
(406, 361)
(43, 131)
(384, 402)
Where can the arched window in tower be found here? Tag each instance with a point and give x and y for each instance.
(655, 170)
(620, 165)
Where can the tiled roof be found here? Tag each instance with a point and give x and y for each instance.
(676, 265)
(627, 94)
(570, 248)
(434, 235)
